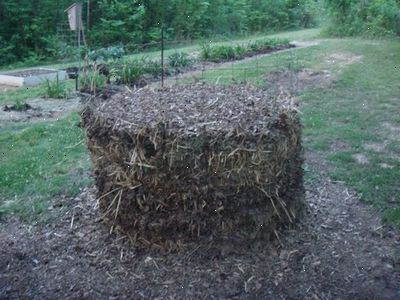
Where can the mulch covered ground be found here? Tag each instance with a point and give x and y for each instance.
(341, 251)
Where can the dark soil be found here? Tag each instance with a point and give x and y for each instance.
(341, 251)
(28, 73)
(20, 107)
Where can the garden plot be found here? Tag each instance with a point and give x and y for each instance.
(38, 109)
(31, 77)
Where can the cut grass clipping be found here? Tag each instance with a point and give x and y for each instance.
(197, 161)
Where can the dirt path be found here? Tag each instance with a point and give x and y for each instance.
(340, 252)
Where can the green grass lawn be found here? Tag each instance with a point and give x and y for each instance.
(40, 162)
(357, 116)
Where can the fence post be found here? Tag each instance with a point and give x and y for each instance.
(162, 55)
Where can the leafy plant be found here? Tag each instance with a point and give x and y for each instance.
(267, 44)
(129, 72)
(106, 54)
(56, 89)
(218, 53)
(180, 60)
(21, 105)
(153, 67)
(91, 80)
(231, 52)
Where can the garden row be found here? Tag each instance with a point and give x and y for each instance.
(107, 65)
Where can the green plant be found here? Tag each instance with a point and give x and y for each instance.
(180, 60)
(56, 89)
(106, 54)
(21, 105)
(152, 67)
(129, 72)
(218, 53)
(267, 44)
(205, 53)
(91, 80)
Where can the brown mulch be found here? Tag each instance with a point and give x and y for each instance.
(341, 251)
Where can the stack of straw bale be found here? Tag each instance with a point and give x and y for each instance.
(195, 162)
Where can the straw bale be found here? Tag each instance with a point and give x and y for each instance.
(194, 162)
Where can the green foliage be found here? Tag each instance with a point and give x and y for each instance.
(30, 28)
(106, 54)
(371, 18)
(56, 89)
(152, 67)
(180, 60)
(20, 105)
(129, 72)
(220, 53)
(91, 80)
(267, 44)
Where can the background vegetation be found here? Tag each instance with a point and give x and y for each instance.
(30, 29)
(367, 17)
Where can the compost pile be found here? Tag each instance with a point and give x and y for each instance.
(196, 163)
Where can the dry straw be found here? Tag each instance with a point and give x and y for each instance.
(187, 163)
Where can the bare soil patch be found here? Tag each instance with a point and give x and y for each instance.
(22, 107)
(391, 131)
(339, 146)
(343, 59)
(361, 158)
(377, 147)
(40, 109)
(300, 80)
(341, 251)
